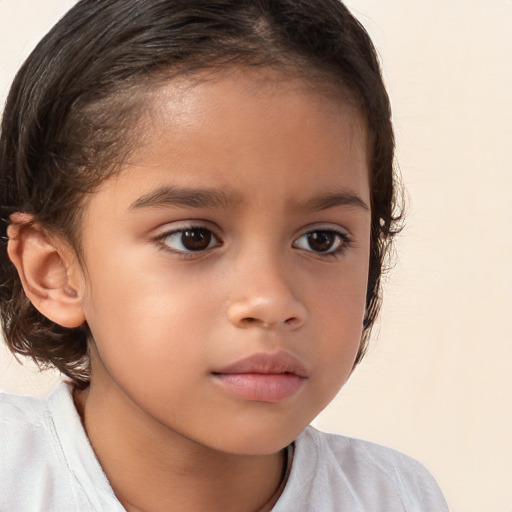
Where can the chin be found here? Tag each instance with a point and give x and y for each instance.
(263, 439)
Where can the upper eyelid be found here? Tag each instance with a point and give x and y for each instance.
(344, 235)
(175, 227)
(168, 229)
(336, 228)
(168, 233)
(178, 226)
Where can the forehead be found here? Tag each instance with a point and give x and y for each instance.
(242, 130)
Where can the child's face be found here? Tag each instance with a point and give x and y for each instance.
(238, 229)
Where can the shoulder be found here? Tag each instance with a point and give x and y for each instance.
(29, 416)
(20, 408)
(360, 453)
(24, 421)
(46, 462)
(28, 442)
(368, 458)
(337, 472)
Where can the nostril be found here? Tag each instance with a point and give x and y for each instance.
(250, 320)
(264, 313)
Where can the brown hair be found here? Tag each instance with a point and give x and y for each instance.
(67, 118)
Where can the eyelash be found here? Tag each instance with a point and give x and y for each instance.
(342, 242)
(188, 254)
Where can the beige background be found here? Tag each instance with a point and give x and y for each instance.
(437, 383)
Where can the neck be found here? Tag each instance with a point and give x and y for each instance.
(150, 467)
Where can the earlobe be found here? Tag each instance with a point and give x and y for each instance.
(44, 270)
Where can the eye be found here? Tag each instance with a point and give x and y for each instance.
(323, 241)
(187, 240)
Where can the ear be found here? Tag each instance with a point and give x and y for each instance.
(48, 270)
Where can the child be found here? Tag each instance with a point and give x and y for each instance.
(197, 197)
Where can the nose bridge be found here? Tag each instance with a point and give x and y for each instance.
(264, 293)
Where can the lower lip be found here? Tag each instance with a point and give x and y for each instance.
(261, 387)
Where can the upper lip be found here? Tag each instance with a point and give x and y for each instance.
(267, 363)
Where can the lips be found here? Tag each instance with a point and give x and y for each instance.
(263, 377)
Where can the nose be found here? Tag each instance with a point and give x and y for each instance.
(265, 299)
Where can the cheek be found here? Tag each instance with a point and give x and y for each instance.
(339, 323)
(148, 316)
(337, 317)
(337, 332)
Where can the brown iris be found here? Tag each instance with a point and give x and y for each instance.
(197, 239)
(321, 241)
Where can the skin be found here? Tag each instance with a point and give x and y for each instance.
(168, 436)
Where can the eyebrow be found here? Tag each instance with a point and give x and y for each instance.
(189, 197)
(333, 199)
(215, 198)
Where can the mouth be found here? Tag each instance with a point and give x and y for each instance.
(263, 377)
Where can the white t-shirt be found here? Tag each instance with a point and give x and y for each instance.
(47, 464)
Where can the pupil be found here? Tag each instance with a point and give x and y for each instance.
(196, 239)
(321, 241)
